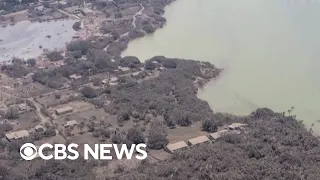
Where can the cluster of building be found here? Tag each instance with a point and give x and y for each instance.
(181, 145)
(16, 135)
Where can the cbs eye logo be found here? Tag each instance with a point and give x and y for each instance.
(28, 151)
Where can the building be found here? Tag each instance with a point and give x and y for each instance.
(87, 12)
(124, 69)
(64, 110)
(135, 74)
(23, 107)
(39, 128)
(75, 77)
(17, 135)
(218, 134)
(111, 81)
(114, 80)
(39, 8)
(71, 123)
(198, 140)
(88, 5)
(237, 126)
(63, 3)
(171, 148)
(105, 81)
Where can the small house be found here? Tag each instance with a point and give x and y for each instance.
(218, 134)
(17, 135)
(39, 128)
(114, 80)
(39, 8)
(171, 148)
(87, 12)
(23, 107)
(64, 110)
(237, 126)
(198, 140)
(135, 74)
(71, 123)
(124, 69)
(63, 3)
(75, 77)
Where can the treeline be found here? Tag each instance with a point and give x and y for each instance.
(274, 147)
(10, 6)
(171, 94)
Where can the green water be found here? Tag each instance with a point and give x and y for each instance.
(269, 49)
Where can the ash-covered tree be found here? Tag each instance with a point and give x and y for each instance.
(149, 65)
(116, 139)
(157, 136)
(209, 125)
(77, 26)
(79, 45)
(12, 113)
(135, 135)
(31, 62)
(54, 56)
(130, 61)
(89, 92)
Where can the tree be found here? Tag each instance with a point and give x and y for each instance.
(89, 92)
(116, 139)
(81, 126)
(157, 140)
(149, 65)
(135, 135)
(3, 171)
(148, 28)
(31, 62)
(54, 56)
(12, 113)
(77, 26)
(209, 126)
(79, 45)
(130, 61)
(124, 115)
(170, 64)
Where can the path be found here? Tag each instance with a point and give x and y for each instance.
(135, 16)
(69, 14)
(44, 119)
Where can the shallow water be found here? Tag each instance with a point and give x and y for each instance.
(269, 49)
(24, 38)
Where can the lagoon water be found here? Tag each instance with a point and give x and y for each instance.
(24, 38)
(270, 50)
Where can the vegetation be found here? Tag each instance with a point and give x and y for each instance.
(274, 147)
(16, 69)
(54, 56)
(89, 92)
(77, 26)
(209, 126)
(12, 113)
(157, 136)
(135, 135)
(171, 94)
(130, 61)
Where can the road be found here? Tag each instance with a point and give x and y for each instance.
(69, 14)
(43, 118)
(135, 16)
